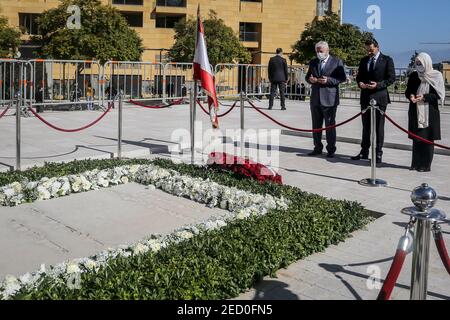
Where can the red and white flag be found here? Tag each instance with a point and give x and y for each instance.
(203, 72)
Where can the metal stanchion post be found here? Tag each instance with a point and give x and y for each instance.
(119, 139)
(18, 129)
(373, 181)
(424, 199)
(242, 143)
(193, 102)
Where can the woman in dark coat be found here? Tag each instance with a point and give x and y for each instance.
(425, 91)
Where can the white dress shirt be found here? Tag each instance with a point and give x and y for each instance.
(375, 62)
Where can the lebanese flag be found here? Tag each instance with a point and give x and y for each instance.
(203, 72)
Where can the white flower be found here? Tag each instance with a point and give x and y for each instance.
(9, 193)
(76, 183)
(85, 183)
(140, 248)
(73, 267)
(90, 264)
(31, 185)
(154, 245)
(55, 188)
(184, 234)
(10, 286)
(243, 214)
(43, 193)
(16, 186)
(26, 278)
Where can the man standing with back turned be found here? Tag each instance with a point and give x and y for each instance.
(375, 74)
(325, 73)
(278, 76)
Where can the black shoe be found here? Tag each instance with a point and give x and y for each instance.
(330, 155)
(360, 156)
(283, 108)
(270, 108)
(379, 159)
(424, 170)
(315, 153)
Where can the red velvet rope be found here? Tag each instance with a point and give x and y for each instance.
(443, 253)
(4, 112)
(414, 135)
(219, 115)
(160, 106)
(71, 130)
(304, 130)
(392, 276)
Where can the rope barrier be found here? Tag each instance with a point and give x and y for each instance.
(4, 112)
(72, 130)
(397, 264)
(160, 106)
(306, 130)
(391, 278)
(414, 135)
(440, 245)
(219, 115)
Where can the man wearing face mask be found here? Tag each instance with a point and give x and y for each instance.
(325, 73)
(375, 74)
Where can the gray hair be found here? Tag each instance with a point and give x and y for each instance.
(322, 44)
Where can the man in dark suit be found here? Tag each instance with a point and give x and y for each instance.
(278, 76)
(325, 73)
(375, 74)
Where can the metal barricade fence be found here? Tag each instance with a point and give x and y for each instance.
(350, 89)
(178, 78)
(136, 80)
(258, 84)
(15, 81)
(71, 83)
(230, 79)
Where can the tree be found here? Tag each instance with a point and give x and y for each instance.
(104, 34)
(346, 41)
(223, 44)
(412, 61)
(9, 39)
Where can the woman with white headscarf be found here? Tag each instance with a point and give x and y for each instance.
(425, 90)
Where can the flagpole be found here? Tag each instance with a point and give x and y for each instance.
(194, 104)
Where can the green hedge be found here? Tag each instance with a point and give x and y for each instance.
(224, 263)
(51, 169)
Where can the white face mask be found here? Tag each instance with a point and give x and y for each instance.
(322, 56)
(420, 69)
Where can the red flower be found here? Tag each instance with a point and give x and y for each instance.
(245, 167)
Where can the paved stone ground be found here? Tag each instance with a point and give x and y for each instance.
(338, 273)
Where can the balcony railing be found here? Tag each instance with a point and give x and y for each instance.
(249, 36)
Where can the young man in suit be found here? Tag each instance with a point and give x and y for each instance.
(325, 73)
(375, 74)
(278, 76)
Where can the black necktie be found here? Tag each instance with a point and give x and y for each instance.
(372, 65)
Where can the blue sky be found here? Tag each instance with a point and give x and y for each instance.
(405, 24)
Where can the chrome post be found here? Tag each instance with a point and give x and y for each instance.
(242, 142)
(424, 198)
(18, 129)
(373, 181)
(193, 102)
(119, 139)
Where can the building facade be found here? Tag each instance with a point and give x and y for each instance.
(262, 25)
